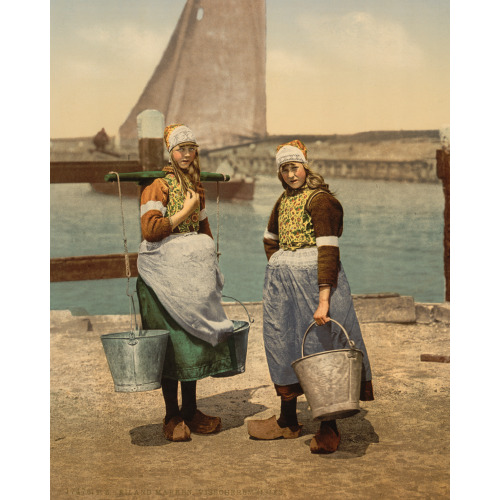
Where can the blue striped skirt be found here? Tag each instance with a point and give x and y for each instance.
(290, 299)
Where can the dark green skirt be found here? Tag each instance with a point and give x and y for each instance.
(187, 357)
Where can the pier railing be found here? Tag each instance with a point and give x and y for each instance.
(150, 147)
(90, 267)
(97, 267)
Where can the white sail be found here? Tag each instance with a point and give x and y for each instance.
(211, 77)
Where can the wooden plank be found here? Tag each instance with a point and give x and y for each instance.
(91, 267)
(434, 358)
(88, 171)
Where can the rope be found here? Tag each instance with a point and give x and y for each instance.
(128, 273)
(127, 262)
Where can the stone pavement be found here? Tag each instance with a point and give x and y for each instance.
(110, 445)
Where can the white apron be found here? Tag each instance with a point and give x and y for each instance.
(183, 271)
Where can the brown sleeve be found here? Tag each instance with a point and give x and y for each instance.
(204, 224)
(327, 217)
(154, 225)
(272, 244)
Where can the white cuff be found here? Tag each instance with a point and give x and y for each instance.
(270, 236)
(153, 205)
(323, 241)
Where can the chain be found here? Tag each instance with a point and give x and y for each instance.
(128, 274)
(127, 262)
(218, 221)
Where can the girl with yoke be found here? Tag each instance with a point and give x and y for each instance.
(304, 279)
(180, 285)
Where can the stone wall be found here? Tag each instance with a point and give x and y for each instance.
(405, 171)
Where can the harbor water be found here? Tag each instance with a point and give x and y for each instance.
(392, 240)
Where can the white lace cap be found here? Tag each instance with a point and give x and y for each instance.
(288, 154)
(180, 135)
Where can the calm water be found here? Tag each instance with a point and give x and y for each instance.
(392, 240)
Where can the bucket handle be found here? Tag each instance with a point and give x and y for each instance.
(250, 319)
(351, 343)
(132, 340)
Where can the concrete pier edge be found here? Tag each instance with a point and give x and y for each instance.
(370, 308)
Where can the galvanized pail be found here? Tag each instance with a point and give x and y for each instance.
(331, 380)
(238, 344)
(136, 361)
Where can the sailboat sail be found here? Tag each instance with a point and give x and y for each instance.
(212, 74)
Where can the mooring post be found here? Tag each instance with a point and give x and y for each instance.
(443, 173)
(150, 126)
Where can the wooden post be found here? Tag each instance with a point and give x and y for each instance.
(150, 126)
(443, 173)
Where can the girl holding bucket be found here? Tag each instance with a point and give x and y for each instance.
(304, 279)
(180, 284)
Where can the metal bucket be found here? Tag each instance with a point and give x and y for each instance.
(136, 362)
(331, 380)
(238, 344)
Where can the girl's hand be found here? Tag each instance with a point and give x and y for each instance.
(191, 203)
(321, 315)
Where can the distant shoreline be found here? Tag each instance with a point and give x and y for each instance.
(401, 155)
(365, 136)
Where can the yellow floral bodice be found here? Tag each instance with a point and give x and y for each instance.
(295, 225)
(175, 203)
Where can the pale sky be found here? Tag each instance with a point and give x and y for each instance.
(333, 66)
